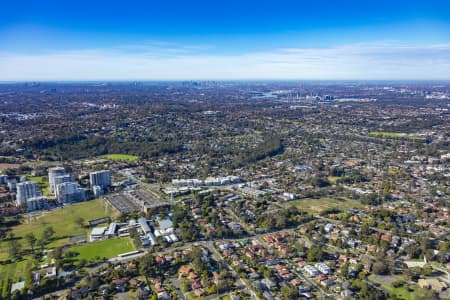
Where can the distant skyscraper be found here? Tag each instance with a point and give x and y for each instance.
(12, 184)
(3, 179)
(100, 178)
(57, 180)
(25, 191)
(37, 203)
(97, 190)
(69, 192)
(52, 173)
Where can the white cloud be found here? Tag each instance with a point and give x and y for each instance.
(154, 62)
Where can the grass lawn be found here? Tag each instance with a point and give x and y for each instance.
(192, 296)
(395, 135)
(401, 292)
(107, 248)
(63, 222)
(321, 204)
(14, 272)
(298, 123)
(61, 219)
(120, 157)
(42, 163)
(333, 179)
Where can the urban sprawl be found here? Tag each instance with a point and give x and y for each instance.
(225, 190)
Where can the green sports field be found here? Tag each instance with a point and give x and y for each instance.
(396, 135)
(107, 248)
(120, 157)
(321, 204)
(62, 220)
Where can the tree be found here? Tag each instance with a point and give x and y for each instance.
(365, 230)
(344, 270)
(413, 251)
(31, 240)
(59, 263)
(79, 221)
(314, 253)
(413, 274)
(57, 252)
(289, 293)
(425, 244)
(300, 247)
(41, 243)
(94, 283)
(366, 291)
(15, 249)
(320, 182)
(188, 230)
(148, 266)
(179, 215)
(185, 286)
(424, 294)
(197, 261)
(135, 237)
(82, 263)
(380, 268)
(398, 283)
(427, 270)
(212, 289)
(48, 233)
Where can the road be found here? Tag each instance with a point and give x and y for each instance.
(294, 270)
(210, 245)
(237, 220)
(220, 258)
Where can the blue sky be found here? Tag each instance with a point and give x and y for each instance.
(138, 40)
